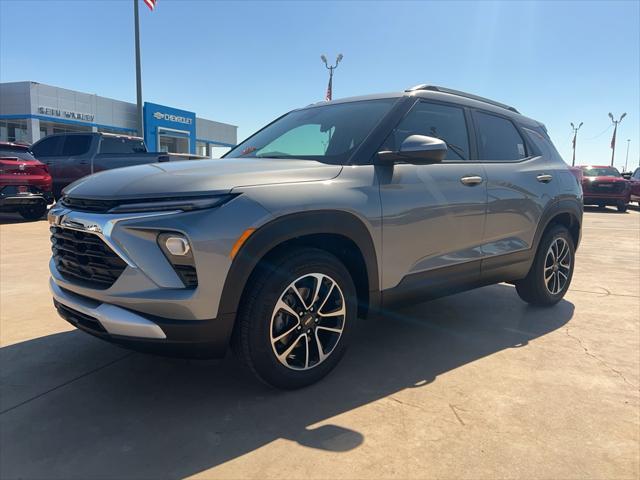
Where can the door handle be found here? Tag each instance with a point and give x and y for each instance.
(544, 178)
(471, 180)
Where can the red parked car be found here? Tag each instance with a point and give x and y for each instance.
(634, 184)
(604, 185)
(25, 183)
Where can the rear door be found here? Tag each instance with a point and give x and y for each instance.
(67, 156)
(75, 162)
(520, 186)
(432, 215)
(49, 151)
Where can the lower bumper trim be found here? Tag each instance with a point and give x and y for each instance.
(145, 333)
(115, 320)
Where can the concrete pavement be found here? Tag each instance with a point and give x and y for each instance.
(476, 385)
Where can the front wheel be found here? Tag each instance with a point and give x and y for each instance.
(622, 207)
(297, 315)
(550, 275)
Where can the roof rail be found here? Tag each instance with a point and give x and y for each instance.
(434, 88)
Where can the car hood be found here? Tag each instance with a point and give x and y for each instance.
(197, 176)
(603, 179)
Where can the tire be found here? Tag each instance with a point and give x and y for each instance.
(533, 288)
(622, 207)
(294, 361)
(33, 212)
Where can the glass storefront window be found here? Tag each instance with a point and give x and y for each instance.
(218, 152)
(49, 128)
(13, 131)
(202, 149)
(117, 131)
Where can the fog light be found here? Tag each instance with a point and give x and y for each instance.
(178, 246)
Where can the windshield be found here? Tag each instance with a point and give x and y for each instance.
(601, 172)
(20, 153)
(328, 133)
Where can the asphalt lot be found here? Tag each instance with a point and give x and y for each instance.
(476, 385)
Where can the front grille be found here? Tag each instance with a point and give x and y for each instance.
(88, 205)
(84, 257)
(79, 319)
(606, 187)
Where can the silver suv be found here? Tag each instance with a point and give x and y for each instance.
(330, 213)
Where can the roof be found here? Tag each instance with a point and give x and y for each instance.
(445, 95)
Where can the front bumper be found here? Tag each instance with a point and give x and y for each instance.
(605, 199)
(183, 338)
(13, 200)
(148, 306)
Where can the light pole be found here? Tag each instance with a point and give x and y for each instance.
(329, 94)
(615, 130)
(626, 160)
(575, 136)
(138, 74)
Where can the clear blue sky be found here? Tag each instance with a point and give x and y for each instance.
(245, 63)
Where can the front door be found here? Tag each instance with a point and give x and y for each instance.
(432, 215)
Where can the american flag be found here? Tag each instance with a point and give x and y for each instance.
(327, 97)
(151, 4)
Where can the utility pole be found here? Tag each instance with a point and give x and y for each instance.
(626, 160)
(138, 75)
(575, 136)
(329, 94)
(615, 130)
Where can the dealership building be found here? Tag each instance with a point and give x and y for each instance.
(30, 111)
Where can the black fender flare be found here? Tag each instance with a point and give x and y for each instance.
(288, 227)
(571, 207)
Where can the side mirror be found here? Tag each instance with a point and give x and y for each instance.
(417, 149)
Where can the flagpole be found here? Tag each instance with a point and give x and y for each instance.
(138, 75)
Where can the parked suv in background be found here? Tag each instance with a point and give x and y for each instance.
(329, 213)
(71, 156)
(634, 186)
(603, 185)
(25, 183)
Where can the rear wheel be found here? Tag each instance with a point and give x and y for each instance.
(33, 212)
(550, 275)
(296, 318)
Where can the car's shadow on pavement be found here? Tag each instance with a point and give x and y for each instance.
(7, 218)
(110, 413)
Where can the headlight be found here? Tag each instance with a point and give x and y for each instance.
(186, 204)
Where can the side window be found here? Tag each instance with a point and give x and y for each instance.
(498, 138)
(76, 145)
(434, 120)
(121, 145)
(47, 147)
(636, 174)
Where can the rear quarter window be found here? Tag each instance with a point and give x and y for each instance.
(498, 138)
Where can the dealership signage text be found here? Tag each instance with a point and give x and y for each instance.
(172, 118)
(56, 112)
